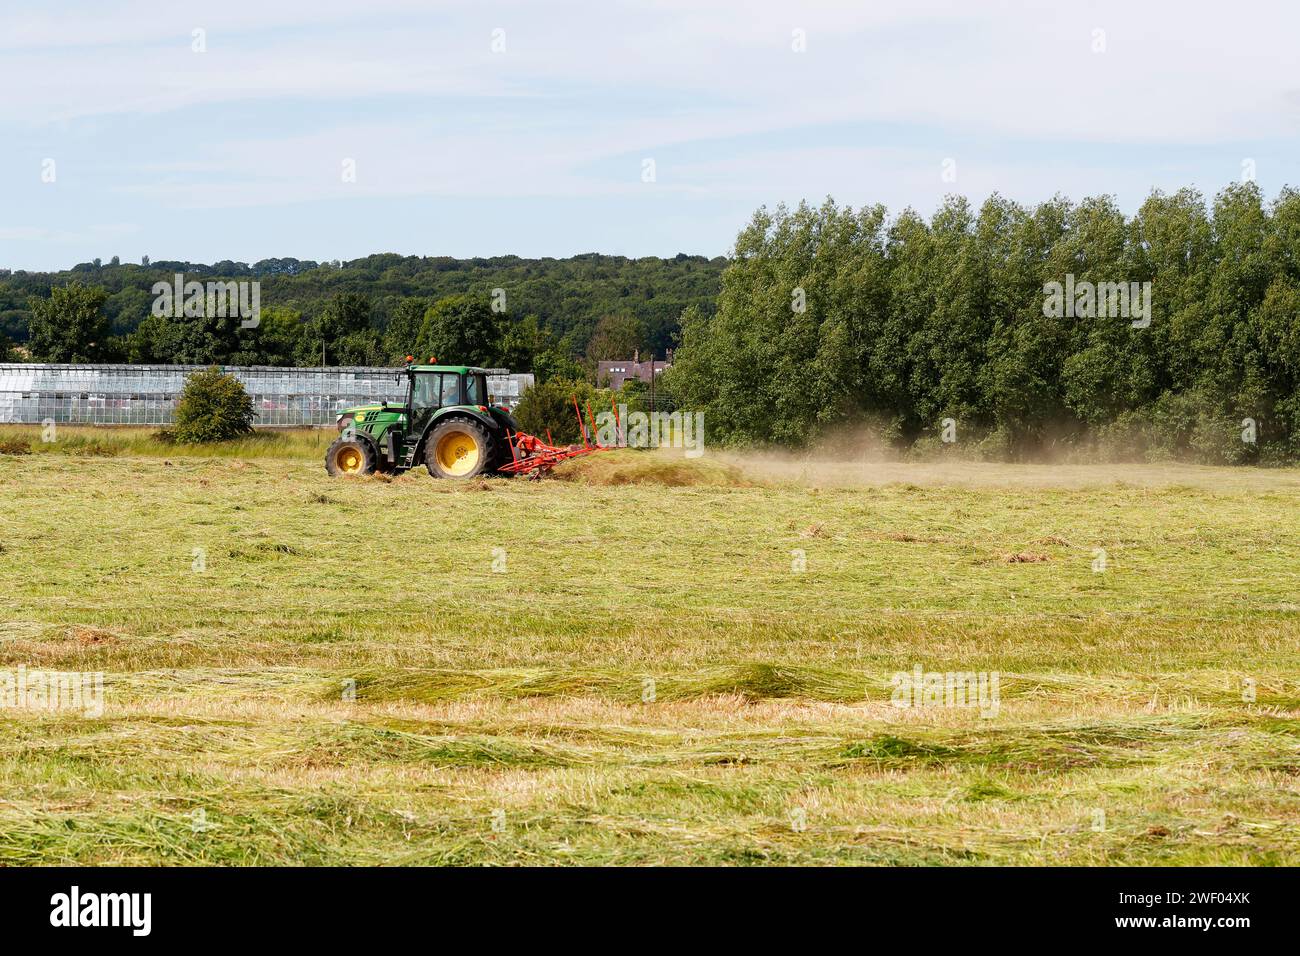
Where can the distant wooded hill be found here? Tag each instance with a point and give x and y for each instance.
(373, 310)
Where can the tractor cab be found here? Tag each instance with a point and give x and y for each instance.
(434, 387)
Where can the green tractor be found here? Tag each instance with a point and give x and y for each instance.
(448, 422)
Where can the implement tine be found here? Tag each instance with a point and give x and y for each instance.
(581, 424)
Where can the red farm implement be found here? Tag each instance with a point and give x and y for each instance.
(531, 456)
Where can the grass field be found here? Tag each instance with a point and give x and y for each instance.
(306, 670)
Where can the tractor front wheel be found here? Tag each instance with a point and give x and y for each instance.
(459, 448)
(350, 456)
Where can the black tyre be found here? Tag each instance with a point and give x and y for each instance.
(350, 456)
(459, 448)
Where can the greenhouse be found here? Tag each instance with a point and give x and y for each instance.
(147, 394)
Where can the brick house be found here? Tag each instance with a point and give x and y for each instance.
(621, 370)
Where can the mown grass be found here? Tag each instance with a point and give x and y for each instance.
(652, 668)
(110, 442)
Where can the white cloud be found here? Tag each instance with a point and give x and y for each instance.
(94, 233)
(713, 91)
(1171, 70)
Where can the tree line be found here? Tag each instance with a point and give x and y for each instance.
(550, 316)
(832, 322)
(1007, 330)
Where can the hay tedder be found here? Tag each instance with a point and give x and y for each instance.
(449, 423)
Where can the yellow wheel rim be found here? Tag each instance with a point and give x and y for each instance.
(348, 460)
(457, 453)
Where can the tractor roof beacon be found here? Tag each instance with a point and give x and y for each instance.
(450, 424)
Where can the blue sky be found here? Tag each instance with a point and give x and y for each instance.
(494, 128)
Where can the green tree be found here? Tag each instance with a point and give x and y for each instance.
(548, 407)
(567, 297)
(275, 340)
(402, 337)
(188, 340)
(127, 308)
(524, 343)
(342, 334)
(213, 406)
(616, 337)
(556, 363)
(461, 330)
(785, 354)
(69, 326)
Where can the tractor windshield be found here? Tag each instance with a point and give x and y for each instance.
(475, 389)
(425, 393)
(436, 390)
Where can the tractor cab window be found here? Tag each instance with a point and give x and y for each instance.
(475, 389)
(426, 390)
(436, 390)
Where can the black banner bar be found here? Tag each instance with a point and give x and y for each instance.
(336, 906)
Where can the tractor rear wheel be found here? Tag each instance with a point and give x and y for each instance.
(350, 456)
(459, 448)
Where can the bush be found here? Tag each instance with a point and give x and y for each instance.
(213, 407)
(549, 406)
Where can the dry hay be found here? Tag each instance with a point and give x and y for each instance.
(669, 468)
